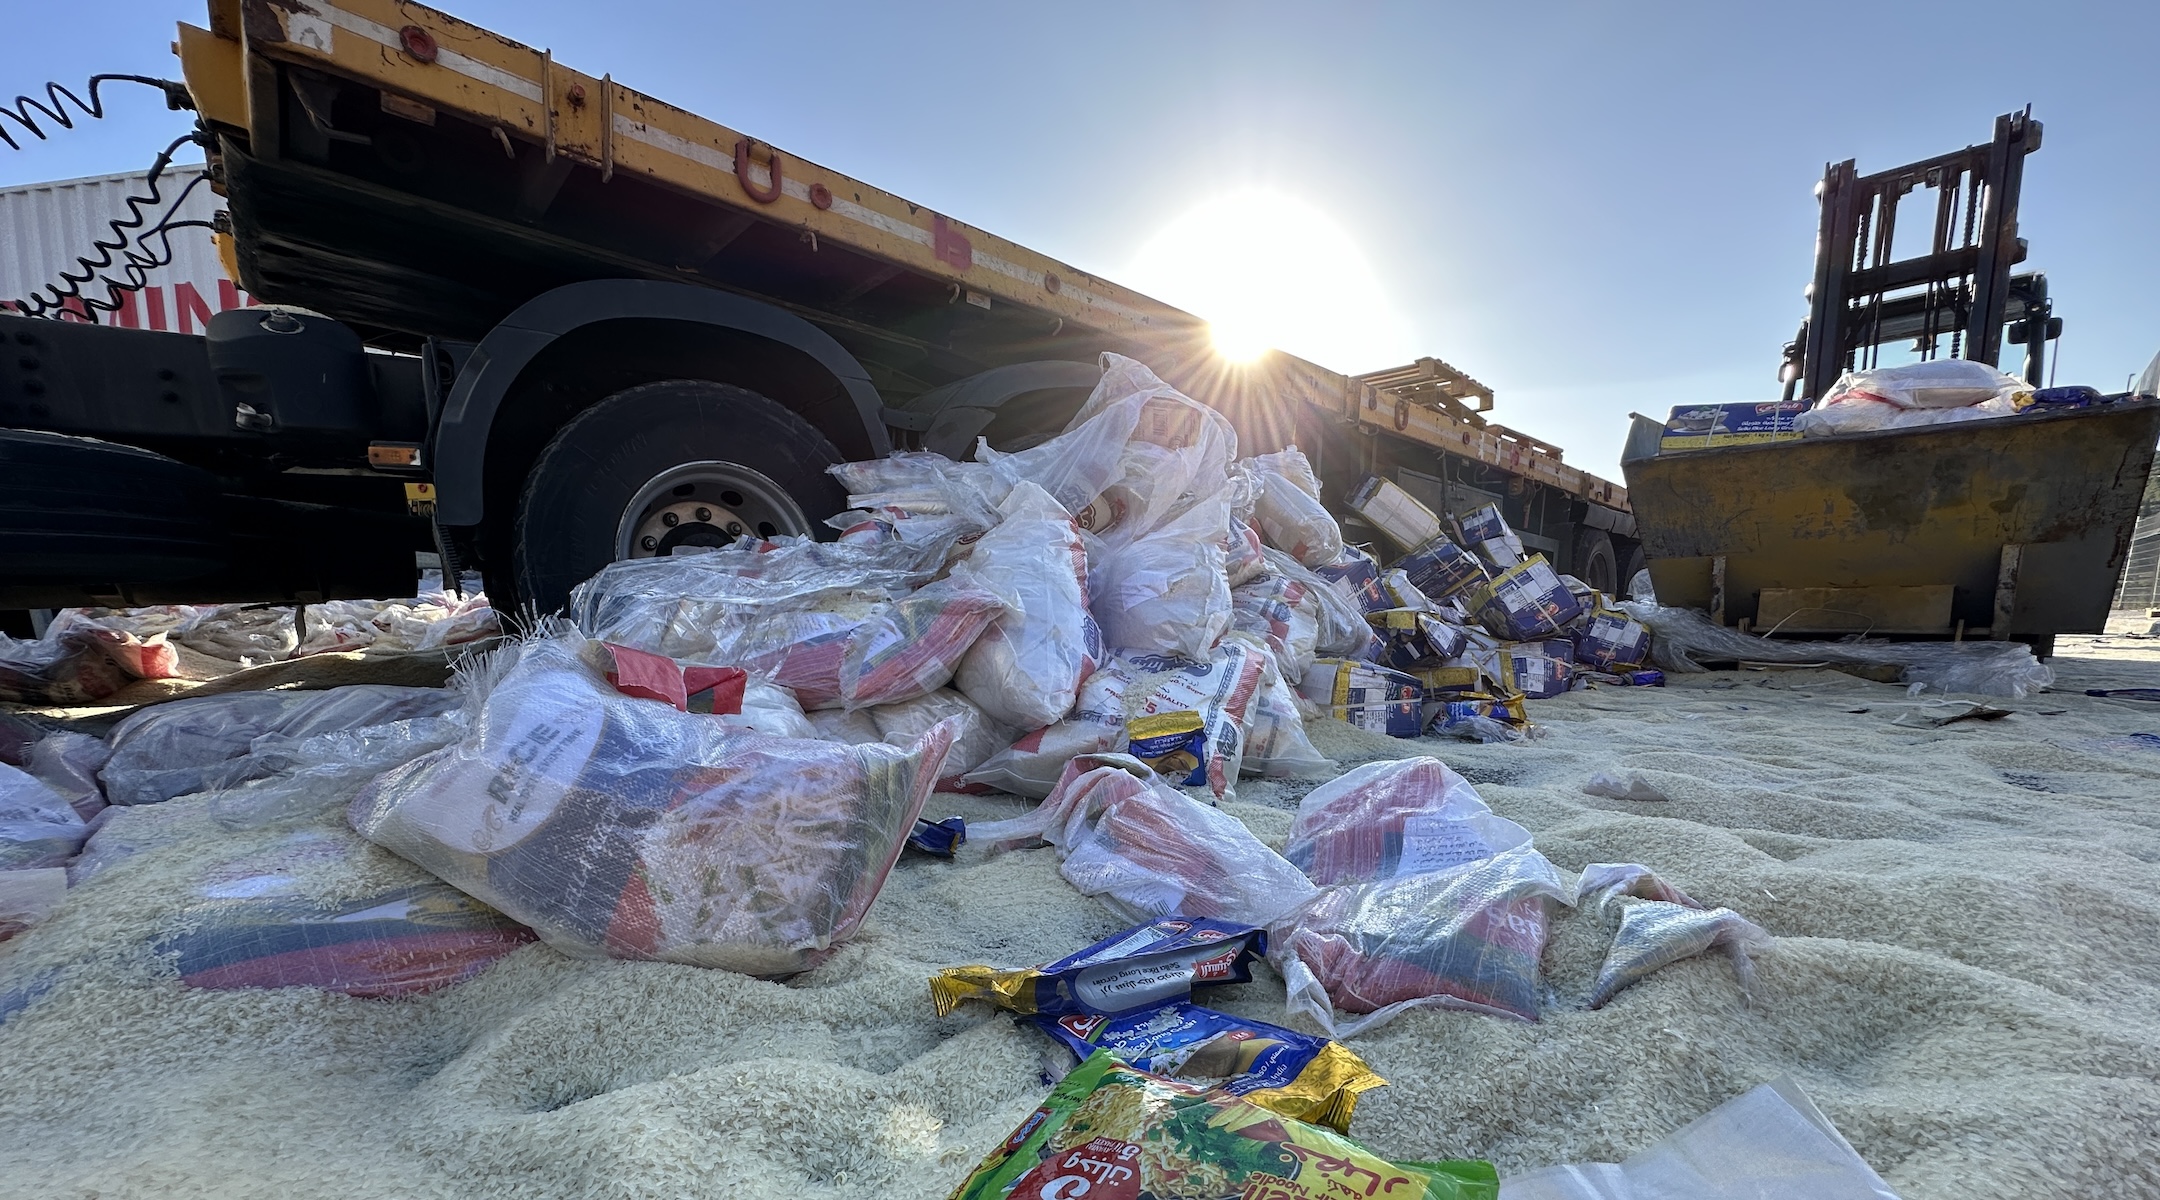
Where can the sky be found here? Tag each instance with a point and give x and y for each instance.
(1593, 208)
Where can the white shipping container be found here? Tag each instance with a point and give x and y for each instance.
(46, 227)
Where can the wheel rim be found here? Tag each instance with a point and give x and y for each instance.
(706, 504)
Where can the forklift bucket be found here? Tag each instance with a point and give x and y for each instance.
(2007, 528)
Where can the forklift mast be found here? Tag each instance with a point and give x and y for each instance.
(1960, 289)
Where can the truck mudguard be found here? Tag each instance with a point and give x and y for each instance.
(461, 438)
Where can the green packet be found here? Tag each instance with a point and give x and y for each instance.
(1115, 1132)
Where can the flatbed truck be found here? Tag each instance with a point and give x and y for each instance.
(532, 320)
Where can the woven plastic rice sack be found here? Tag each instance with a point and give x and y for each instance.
(840, 725)
(1162, 452)
(1275, 742)
(976, 735)
(1220, 688)
(1027, 667)
(1467, 938)
(1339, 619)
(1243, 561)
(38, 827)
(1148, 850)
(88, 654)
(68, 763)
(620, 827)
(1388, 819)
(1288, 511)
(1166, 593)
(1281, 612)
(190, 745)
(252, 925)
(835, 624)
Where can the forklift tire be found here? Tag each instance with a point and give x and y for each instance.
(1594, 562)
(655, 447)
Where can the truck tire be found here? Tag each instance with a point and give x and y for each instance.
(1632, 563)
(1594, 562)
(76, 510)
(681, 463)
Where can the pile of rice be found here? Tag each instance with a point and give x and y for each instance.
(1966, 979)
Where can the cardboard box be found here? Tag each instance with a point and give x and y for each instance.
(1395, 512)
(1370, 697)
(1414, 638)
(1543, 669)
(1441, 569)
(1526, 601)
(1612, 639)
(1357, 577)
(1703, 426)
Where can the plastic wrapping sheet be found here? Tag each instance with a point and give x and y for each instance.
(400, 626)
(28, 895)
(1388, 819)
(1658, 925)
(1148, 850)
(242, 633)
(840, 725)
(1770, 1143)
(1468, 938)
(976, 735)
(1166, 593)
(1680, 637)
(184, 746)
(620, 827)
(38, 827)
(285, 778)
(1288, 511)
(1027, 667)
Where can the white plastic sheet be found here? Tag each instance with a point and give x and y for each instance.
(1770, 1143)
(1682, 636)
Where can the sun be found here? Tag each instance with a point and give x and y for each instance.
(1271, 272)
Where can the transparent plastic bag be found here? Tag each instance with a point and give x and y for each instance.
(1275, 742)
(284, 778)
(1859, 414)
(1341, 629)
(1166, 593)
(620, 827)
(840, 725)
(38, 827)
(1468, 938)
(253, 924)
(1281, 612)
(68, 763)
(27, 896)
(1243, 562)
(1770, 1143)
(1288, 511)
(976, 735)
(1659, 925)
(183, 746)
(1386, 819)
(1162, 452)
(1220, 688)
(1027, 667)
(848, 625)
(1942, 383)
(1681, 636)
(1148, 850)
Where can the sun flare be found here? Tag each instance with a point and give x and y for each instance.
(1271, 272)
